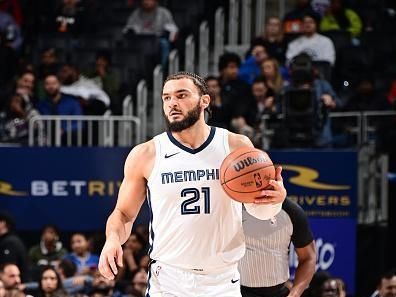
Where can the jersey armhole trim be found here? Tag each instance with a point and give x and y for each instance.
(226, 142)
(155, 169)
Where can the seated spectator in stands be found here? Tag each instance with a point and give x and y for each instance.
(25, 86)
(237, 94)
(50, 284)
(14, 121)
(250, 68)
(293, 20)
(71, 282)
(11, 31)
(265, 97)
(50, 250)
(365, 97)
(70, 17)
(387, 285)
(330, 288)
(103, 287)
(10, 275)
(220, 113)
(319, 47)
(48, 64)
(320, 6)
(273, 38)
(93, 99)
(105, 78)
(12, 249)
(58, 103)
(271, 71)
(341, 287)
(319, 98)
(81, 256)
(152, 19)
(338, 17)
(139, 281)
(133, 251)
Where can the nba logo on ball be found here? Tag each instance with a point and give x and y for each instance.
(245, 173)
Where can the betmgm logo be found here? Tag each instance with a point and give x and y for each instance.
(325, 255)
(63, 188)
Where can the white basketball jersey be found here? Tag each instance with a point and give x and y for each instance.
(194, 224)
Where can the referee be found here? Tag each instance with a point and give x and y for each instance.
(265, 267)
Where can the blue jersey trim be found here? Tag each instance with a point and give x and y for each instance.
(190, 150)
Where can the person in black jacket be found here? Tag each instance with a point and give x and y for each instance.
(12, 249)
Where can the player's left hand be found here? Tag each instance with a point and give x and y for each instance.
(275, 192)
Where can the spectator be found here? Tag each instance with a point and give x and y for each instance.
(132, 254)
(12, 249)
(265, 97)
(25, 86)
(330, 288)
(387, 285)
(105, 78)
(57, 103)
(81, 256)
(293, 20)
(70, 17)
(93, 99)
(237, 94)
(10, 275)
(11, 31)
(48, 64)
(103, 287)
(319, 47)
(338, 17)
(271, 71)
(152, 19)
(320, 6)
(50, 284)
(365, 97)
(139, 281)
(14, 121)
(250, 68)
(273, 38)
(220, 112)
(50, 250)
(72, 283)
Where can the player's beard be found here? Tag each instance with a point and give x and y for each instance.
(191, 118)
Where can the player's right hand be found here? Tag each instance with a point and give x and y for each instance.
(110, 257)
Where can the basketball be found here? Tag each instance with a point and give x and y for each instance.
(245, 173)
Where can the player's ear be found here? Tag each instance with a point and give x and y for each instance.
(205, 101)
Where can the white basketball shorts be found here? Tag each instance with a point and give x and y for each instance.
(169, 281)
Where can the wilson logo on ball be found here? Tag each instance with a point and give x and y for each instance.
(247, 162)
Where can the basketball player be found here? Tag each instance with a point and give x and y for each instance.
(196, 229)
(265, 266)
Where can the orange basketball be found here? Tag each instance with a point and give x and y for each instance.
(245, 173)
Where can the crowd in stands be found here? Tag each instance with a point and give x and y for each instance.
(59, 58)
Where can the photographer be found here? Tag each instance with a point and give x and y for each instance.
(306, 103)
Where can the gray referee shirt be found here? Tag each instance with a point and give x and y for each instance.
(266, 261)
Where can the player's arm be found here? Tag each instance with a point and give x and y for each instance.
(305, 269)
(131, 196)
(270, 196)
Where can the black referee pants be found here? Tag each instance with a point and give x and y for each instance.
(275, 291)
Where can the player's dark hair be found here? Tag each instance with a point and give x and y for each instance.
(198, 81)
